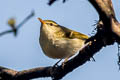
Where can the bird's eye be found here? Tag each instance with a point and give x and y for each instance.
(51, 24)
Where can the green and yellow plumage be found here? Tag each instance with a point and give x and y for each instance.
(68, 33)
(59, 42)
(73, 34)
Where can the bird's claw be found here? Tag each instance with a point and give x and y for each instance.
(56, 64)
(63, 64)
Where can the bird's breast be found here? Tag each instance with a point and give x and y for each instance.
(59, 47)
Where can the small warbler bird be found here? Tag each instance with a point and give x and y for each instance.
(59, 42)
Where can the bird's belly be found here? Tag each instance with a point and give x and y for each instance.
(62, 48)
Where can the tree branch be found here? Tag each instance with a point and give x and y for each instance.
(107, 16)
(55, 72)
(53, 1)
(19, 25)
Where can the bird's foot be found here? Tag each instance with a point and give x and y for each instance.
(56, 64)
(93, 59)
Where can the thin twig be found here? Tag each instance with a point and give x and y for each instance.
(19, 25)
(53, 1)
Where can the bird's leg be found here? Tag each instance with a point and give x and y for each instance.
(71, 33)
(63, 63)
(54, 68)
(56, 64)
(90, 43)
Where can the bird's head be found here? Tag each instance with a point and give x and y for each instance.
(48, 23)
(51, 27)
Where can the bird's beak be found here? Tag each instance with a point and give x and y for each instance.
(43, 22)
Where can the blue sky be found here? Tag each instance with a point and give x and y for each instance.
(23, 52)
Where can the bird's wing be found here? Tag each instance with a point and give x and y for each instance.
(73, 34)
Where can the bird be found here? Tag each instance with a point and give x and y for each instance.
(59, 42)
